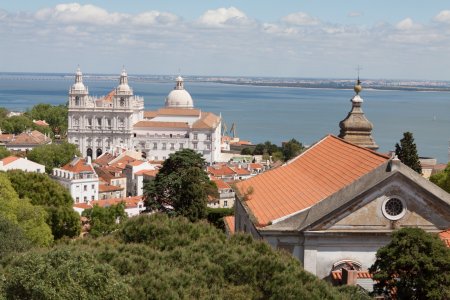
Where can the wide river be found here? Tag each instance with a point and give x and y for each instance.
(271, 113)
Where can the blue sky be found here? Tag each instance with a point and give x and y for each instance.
(390, 39)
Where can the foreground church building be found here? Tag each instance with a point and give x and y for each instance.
(97, 125)
(337, 203)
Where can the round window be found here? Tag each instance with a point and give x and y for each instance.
(394, 209)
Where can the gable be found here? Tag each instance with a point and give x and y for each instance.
(394, 203)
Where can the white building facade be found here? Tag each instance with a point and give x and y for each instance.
(97, 125)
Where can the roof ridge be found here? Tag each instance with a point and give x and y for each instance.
(360, 147)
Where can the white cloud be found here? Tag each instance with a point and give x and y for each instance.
(76, 13)
(300, 18)
(155, 17)
(406, 24)
(443, 16)
(354, 14)
(223, 16)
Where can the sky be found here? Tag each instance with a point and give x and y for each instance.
(285, 38)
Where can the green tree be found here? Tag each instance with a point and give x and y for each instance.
(291, 149)
(415, 264)
(16, 124)
(406, 151)
(442, 179)
(55, 116)
(53, 155)
(30, 218)
(104, 220)
(62, 274)
(181, 186)
(12, 238)
(246, 151)
(4, 152)
(56, 200)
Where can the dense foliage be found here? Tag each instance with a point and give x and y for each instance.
(56, 200)
(406, 151)
(442, 179)
(4, 152)
(56, 117)
(12, 238)
(287, 151)
(215, 216)
(104, 220)
(181, 186)
(29, 218)
(415, 264)
(53, 155)
(157, 257)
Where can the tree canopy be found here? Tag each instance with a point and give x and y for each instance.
(287, 151)
(104, 220)
(157, 257)
(291, 149)
(53, 155)
(55, 116)
(12, 238)
(442, 179)
(181, 186)
(415, 264)
(406, 151)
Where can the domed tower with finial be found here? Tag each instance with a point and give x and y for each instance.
(123, 92)
(179, 97)
(78, 93)
(355, 128)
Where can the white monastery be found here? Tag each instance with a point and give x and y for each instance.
(96, 125)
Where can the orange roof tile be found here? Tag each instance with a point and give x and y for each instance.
(220, 170)
(102, 188)
(241, 171)
(151, 173)
(129, 201)
(150, 114)
(40, 122)
(445, 237)
(322, 170)
(337, 275)
(9, 159)
(123, 162)
(255, 166)
(136, 163)
(30, 138)
(78, 165)
(155, 124)
(178, 112)
(6, 137)
(104, 159)
(221, 184)
(207, 120)
(229, 223)
(110, 96)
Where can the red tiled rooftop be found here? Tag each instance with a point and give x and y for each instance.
(103, 188)
(229, 223)
(78, 165)
(9, 159)
(241, 171)
(104, 159)
(317, 173)
(445, 237)
(151, 173)
(220, 170)
(221, 184)
(30, 138)
(178, 112)
(255, 166)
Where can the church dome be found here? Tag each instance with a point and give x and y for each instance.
(123, 86)
(78, 86)
(179, 97)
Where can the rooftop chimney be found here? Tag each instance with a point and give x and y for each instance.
(349, 277)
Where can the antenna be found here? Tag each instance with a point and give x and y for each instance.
(358, 69)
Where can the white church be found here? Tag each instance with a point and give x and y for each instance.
(97, 125)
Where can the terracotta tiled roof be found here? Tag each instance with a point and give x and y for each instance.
(6, 137)
(104, 159)
(151, 173)
(207, 120)
(445, 237)
(130, 202)
(30, 138)
(110, 96)
(220, 171)
(150, 114)
(241, 171)
(40, 122)
(9, 159)
(123, 162)
(322, 170)
(102, 188)
(136, 163)
(255, 166)
(229, 223)
(178, 112)
(242, 142)
(155, 124)
(78, 165)
(337, 275)
(221, 184)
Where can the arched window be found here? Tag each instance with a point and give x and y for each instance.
(77, 100)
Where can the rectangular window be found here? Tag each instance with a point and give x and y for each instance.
(155, 146)
(77, 199)
(92, 198)
(225, 203)
(85, 199)
(85, 188)
(93, 186)
(164, 146)
(181, 145)
(172, 146)
(208, 146)
(195, 136)
(208, 137)
(195, 145)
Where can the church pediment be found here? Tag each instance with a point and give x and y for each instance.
(394, 203)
